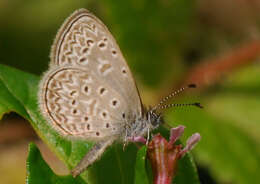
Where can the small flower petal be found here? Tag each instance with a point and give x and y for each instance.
(176, 133)
(140, 139)
(191, 142)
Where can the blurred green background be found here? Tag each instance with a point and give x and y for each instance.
(167, 44)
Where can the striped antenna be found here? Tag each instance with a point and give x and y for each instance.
(180, 105)
(165, 99)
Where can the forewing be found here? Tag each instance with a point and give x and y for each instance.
(83, 40)
(79, 104)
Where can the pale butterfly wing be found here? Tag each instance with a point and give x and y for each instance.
(89, 91)
(83, 40)
(81, 105)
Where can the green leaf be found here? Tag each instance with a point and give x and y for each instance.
(9, 103)
(141, 176)
(38, 172)
(186, 173)
(19, 94)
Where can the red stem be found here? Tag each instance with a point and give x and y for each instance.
(210, 71)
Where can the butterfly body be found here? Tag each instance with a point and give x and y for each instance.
(143, 125)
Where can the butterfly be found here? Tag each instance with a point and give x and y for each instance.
(89, 92)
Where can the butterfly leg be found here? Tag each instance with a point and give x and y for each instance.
(94, 154)
(148, 136)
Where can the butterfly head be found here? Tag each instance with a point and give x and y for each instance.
(152, 119)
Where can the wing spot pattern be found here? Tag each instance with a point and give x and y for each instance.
(77, 42)
(82, 41)
(104, 115)
(86, 118)
(83, 60)
(74, 111)
(105, 68)
(102, 45)
(92, 107)
(107, 125)
(73, 102)
(124, 71)
(86, 90)
(73, 93)
(114, 103)
(90, 43)
(102, 91)
(88, 126)
(114, 53)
